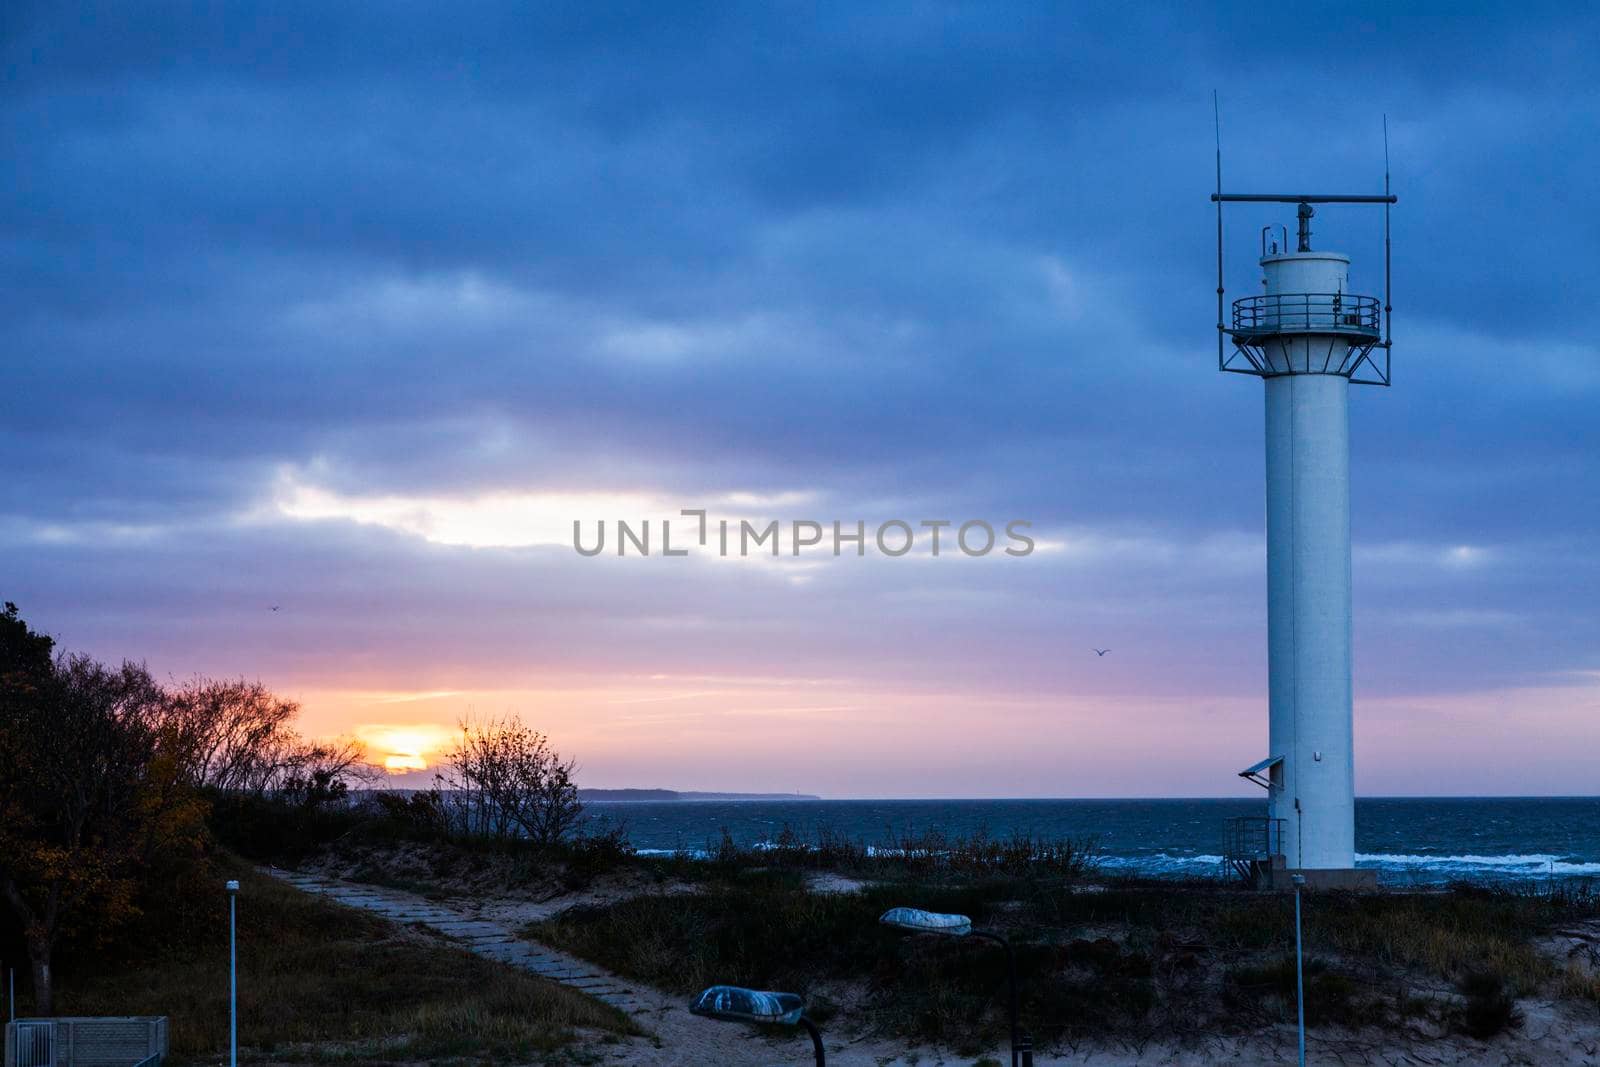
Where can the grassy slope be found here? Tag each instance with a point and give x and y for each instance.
(1122, 961)
(313, 972)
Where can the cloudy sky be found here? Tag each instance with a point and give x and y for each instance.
(351, 310)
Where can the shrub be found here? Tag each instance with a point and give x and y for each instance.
(1490, 1008)
(504, 781)
(599, 849)
(420, 814)
(922, 855)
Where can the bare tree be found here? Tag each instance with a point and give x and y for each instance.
(314, 773)
(239, 737)
(505, 781)
(228, 735)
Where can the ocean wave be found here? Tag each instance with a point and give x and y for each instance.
(1158, 861)
(1525, 863)
(1429, 868)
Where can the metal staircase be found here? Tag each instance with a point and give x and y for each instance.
(1252, 847)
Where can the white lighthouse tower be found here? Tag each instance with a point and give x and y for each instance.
(1309, 336)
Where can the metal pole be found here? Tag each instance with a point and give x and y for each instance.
(816, 1040)
(1303, 198)
(233, 975)
(1299, 969)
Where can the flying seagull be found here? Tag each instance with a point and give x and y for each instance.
(274, 607)
(1097, 651)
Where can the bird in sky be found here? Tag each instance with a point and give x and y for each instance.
(273, 608)
(1097, 651)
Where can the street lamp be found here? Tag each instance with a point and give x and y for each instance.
(233, 975)
(735, 1005)
(917, 921)
(1299, 968)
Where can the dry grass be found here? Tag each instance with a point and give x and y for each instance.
(1446, 936)
(330, 982)
(762, 930)
(1126, 960)
(1579, 983)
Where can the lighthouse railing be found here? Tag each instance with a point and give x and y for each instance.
(1272, 313)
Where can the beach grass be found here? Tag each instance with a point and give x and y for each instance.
(1110, 959)
(926, 855)
(321, 982)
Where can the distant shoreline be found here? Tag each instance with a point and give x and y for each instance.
(630, 795)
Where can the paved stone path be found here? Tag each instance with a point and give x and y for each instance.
(482, 936)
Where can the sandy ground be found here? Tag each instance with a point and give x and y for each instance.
(829, 882)
(1544, 1042)
(1552, 1034)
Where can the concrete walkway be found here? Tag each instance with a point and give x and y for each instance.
(482, 936)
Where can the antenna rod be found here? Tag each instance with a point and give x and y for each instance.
(1216, 118)
(1388, 308)
(1299, 198)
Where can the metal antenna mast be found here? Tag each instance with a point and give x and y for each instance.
(1216, 118)
(1388, 317)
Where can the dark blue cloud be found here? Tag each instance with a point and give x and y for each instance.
(956, 257)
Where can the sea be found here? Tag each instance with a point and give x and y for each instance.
(1409, 841)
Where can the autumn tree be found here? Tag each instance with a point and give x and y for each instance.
(86, 799)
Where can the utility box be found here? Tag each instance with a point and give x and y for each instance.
(112, 1041)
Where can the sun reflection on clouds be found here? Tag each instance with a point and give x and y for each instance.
(512, 518)
(489, 520)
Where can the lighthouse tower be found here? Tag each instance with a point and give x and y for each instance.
(1308, 335)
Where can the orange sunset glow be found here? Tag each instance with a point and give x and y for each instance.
(404, 747)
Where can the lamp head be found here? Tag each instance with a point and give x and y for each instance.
(233, 885)
(737, 1005)
(918, 921)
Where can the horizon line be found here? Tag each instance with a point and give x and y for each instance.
(1359, 796)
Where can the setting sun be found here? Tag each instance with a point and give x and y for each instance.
(404, 747)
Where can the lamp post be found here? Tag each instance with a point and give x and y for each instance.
(233, 974)
(734, 1004)
(1299, 968)
(917, 921)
